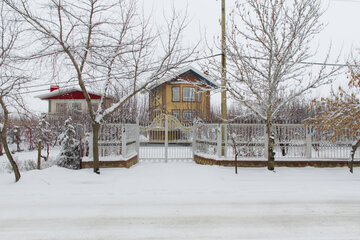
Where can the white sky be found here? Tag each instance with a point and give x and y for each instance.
(342, 18)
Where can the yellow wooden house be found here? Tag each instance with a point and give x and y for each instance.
(185, 95)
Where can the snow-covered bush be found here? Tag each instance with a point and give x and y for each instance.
(22, 165)
(70, 150)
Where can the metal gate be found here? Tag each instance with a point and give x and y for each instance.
(166, 139)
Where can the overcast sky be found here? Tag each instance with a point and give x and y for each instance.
(342, 18)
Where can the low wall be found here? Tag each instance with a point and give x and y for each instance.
(112, 164)
(280, 163)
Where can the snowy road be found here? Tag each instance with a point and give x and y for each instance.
(181, 201)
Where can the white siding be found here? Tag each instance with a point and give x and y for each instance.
(69, 103)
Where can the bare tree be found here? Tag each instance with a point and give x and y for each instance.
(10, 76)
(339, 114)
(105, 42)
(267, 46)
(295, 111)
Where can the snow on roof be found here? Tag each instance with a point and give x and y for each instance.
(63, 91)
(206, 79)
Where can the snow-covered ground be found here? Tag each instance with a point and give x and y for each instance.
(181, 201)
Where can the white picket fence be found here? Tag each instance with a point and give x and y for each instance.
(117, 140)
(292, 141)
(171, 141)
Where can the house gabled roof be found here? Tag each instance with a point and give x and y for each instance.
(202, 77)
(67, 93)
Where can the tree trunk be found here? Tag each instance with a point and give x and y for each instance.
(17, 137)
(353, 150)
(271, 143)
(236, 163)
(96, 128)
(4, 142)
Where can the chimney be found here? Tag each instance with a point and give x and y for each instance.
(54, 87)
(206, 73)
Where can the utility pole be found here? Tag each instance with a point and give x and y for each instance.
(223, 79)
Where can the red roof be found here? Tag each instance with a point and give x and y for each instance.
(69, 93)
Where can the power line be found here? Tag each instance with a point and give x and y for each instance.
(307, 63)
(189, 61)
(355, 1)
(47, 84)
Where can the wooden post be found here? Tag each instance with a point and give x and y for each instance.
(236, 165)
(223, 78)
(39, 156)
(225, 140)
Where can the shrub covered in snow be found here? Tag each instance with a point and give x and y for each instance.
(70, 150)
(22, 165)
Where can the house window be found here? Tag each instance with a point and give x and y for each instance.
(188, 115)
(76, 107)
(61, 107)
(199, 96)
(188, 94)
(175, 94)
(176, 113)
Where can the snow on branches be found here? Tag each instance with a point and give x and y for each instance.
(339, 111)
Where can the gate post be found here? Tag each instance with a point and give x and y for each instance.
(194, 137)
(166, 137)
(123, 141)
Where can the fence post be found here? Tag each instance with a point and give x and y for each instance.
(123, 141)
(194, 137)
(137, 137)
(308, 141)
(266, 143)
(166, 137)
(219, 142)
